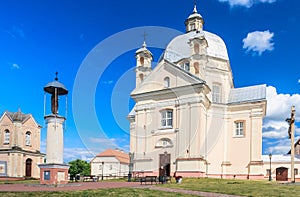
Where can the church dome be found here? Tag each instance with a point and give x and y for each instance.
(179, 47)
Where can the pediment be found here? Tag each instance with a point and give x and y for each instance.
(156, 80)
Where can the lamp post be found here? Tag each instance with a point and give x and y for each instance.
(270, 172)
(102, 170)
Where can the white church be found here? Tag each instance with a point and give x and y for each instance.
(188, 117)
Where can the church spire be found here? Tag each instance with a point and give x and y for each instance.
(195, 21)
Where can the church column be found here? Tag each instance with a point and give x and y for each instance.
(256, 163)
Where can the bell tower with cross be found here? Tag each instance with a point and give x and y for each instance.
(144, 60)
(54, 171)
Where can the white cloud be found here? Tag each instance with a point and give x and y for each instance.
(275, 128)
(259, 41)
(245, 3)
(15, 66)
(71, 154)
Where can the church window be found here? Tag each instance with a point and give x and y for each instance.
(239, 128)
(296, 171)
(196, 67)
(167, 82)
(6, 137)
(167, 118)
(196, 48)
(216, 93)
(185, 66)
(28, 138)
(142, 60)
(193, 26)
(141, 77)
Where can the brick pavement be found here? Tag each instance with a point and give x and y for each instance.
(100, 185)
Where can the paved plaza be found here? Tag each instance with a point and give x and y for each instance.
(99, 185)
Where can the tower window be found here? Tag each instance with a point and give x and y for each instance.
(193, 26)
(6, 137)
(141, 77)
(196, 67)
(167, 118)
(142, 60)
(167, 82)
(28, 138)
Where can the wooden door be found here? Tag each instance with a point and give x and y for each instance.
(164, 164)
(281, 174)
(28, 167)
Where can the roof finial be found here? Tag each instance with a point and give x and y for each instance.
(56, 73)
(195, 6)
(145, 35)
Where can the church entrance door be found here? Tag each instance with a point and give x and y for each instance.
(28, 167)
(164, 164)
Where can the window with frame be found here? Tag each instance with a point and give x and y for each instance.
(6, 137)
(167, 82)
(216, 93)
(239, 129)
(28, 138)
(167, 119)
(185, 66)
(296, 171)
(268, 172)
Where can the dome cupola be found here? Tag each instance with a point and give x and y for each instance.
(194, 22)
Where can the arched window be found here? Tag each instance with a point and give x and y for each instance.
(196, 48)
(196, 67)
(142, 60)
(28, 138)
(141, 77)
(167, 82)
(167, 118)
(6, 137)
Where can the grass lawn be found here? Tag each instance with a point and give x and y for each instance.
(116, 192)
(237, 187)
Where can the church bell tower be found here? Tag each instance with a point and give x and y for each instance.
(143, 63)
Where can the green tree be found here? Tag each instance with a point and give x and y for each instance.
(79, 166)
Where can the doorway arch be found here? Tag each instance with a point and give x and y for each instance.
(28, 167)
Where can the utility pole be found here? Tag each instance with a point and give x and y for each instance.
(291, 131)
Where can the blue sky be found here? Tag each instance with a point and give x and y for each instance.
(38, 38)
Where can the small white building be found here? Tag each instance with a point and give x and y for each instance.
(280, 167)
(110, 163)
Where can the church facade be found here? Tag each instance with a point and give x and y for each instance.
(19, 146)
(188, 117)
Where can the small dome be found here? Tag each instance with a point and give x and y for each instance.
(179, 47)
(195, 14)
(143, 49)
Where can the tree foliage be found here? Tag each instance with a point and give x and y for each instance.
(79, 166)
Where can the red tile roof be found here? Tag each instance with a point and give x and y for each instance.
(119, 155)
